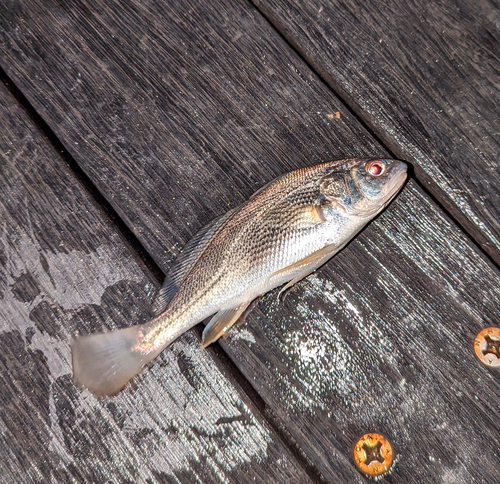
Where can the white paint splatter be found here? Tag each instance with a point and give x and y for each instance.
(241, 334)
(72, 280)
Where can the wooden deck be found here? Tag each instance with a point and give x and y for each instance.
(125, 126)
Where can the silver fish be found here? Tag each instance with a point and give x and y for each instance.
(285, 231)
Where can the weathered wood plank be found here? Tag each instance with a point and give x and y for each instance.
(381, 339)
(65, 270)
(142, 151)
(166, 105)
(425, 77)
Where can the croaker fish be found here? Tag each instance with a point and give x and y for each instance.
(285, 231)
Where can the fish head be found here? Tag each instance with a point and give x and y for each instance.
(362, 187)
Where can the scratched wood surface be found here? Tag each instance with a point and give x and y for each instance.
(381, 339)
(64, 271)
(164, 107)
(424, 76)
(180, 113)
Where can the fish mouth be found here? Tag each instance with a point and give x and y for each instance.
(398, 174)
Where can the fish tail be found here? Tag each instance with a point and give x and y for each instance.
(105, 362)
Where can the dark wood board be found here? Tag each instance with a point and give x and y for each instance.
(167, 105)
(425, 77)
(64, 270)
(94, 89)
(381, 340)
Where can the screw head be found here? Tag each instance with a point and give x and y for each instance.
(487, 347)
(373, 454)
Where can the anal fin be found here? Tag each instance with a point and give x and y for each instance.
(221, 323)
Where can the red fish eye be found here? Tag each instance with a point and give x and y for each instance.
(375, 168)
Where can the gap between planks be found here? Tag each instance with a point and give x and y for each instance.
(107, 210)
(417, 174)
(144, 258)
(142, 254)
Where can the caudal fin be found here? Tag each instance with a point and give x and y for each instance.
(105, 362)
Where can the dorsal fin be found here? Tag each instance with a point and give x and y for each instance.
(185, 260)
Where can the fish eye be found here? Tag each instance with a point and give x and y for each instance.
(375, 168)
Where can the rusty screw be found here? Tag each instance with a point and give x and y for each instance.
(373, 455)
(487, 347)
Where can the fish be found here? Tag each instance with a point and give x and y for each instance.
(282, 233)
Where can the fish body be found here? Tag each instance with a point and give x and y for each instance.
(281, 234)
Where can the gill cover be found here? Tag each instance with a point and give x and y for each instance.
(362, 187)
(337, 189)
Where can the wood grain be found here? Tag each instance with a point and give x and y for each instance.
(165, 108)
(64, 270)
(381, 340)
(178, 114)
(425, 77)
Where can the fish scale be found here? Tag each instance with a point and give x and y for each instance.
(284, 231)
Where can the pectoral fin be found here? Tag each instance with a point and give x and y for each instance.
(323, 253)
(220, 324)
(313, 214)
(308, 264)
